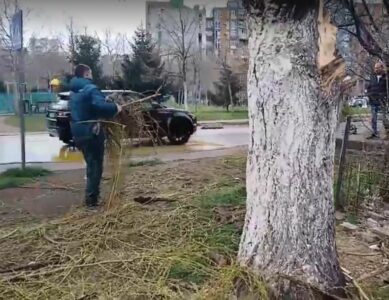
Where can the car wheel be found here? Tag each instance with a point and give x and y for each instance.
(180, 139)
(180, 131)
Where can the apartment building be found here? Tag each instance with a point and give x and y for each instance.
(168, 24)
(226, 30)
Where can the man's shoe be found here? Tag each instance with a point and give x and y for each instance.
(91, 201)
(373, 137)
(93, 208)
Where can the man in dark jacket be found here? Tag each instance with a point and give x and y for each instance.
(377, 93)
(88, 106)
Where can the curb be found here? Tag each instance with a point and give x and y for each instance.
(63, 166)
(27, 133)
(368, 146)
(223, 122)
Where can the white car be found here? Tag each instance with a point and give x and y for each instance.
(359, 101)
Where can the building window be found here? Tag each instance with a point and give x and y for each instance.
(242, 24)
(242, 13)
(233, 13)
(217, 24)
(200, 38)
(209, 23)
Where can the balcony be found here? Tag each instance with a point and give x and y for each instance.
(242, 14)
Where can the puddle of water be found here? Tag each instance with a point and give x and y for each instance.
(67, 154)
(70, 155)
(42, 148)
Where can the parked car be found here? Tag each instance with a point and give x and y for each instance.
(177, 125)
(359, 101)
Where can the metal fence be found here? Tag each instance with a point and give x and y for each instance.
(33, 102)
(365, 175)
(6, 104)
(361, 174)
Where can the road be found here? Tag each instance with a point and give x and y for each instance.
(43, 148)
(205, 143)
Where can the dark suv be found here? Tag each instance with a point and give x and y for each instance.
(176, 125)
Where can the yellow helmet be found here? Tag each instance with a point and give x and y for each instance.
(55, 82)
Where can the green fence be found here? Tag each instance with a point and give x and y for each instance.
(35, 99)
(40, 97)
(6, 104)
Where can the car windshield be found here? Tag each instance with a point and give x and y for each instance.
(63, 97)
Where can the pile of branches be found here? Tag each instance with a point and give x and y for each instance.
(133, 120)
(129, 127)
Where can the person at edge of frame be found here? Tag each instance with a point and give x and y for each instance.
(377, 94)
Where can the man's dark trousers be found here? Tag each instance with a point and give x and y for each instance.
(375, 109)
(93, 152)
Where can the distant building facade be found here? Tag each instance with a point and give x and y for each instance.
(227, 32)
(166, 24)
(224, 33)
(44, 45)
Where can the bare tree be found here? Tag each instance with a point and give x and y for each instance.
(181, 28)
(358, 20)
(114, 47)
(7, 9)
(72, 34)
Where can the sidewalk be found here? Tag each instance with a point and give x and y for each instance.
(166, 157)
(359, 141)
(6, 129)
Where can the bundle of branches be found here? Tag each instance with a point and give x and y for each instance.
(132, 124)
(138, 124)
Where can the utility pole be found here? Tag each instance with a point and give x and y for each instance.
(17, 45)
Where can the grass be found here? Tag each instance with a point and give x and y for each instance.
(18, 177)
(179, 252)
(355, 111)
(145, 163)
(33, 123)
(214, 113)
(219, 115)
(233, 196)
(377, 292)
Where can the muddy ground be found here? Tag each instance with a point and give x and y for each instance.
(157, 187)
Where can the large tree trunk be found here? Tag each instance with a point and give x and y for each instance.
(289, 229)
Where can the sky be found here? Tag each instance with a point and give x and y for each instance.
(50, 17)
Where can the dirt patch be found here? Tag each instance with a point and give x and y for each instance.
(47, 198)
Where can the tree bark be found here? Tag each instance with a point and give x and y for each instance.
(229, 95)
(185, 94)
(289, 229)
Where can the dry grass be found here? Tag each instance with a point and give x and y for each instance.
(170, 247)
(173, 234)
